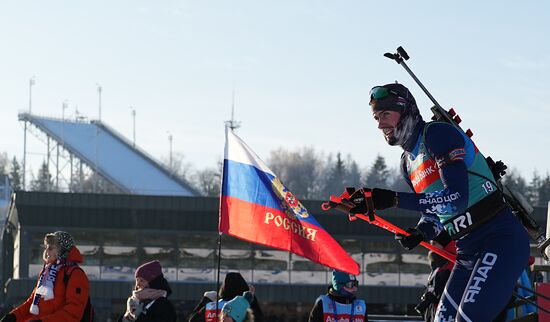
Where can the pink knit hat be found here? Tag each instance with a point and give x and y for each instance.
(149, 271)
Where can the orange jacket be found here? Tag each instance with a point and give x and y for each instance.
(69, 301)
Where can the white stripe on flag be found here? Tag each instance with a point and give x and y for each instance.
(237, 150)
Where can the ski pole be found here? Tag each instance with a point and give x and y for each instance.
(447, 255)
(529, 301)
(384, 224)
(373, 219)
(534, 292)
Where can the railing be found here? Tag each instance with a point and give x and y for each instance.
(400, 318)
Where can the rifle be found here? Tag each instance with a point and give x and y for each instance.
(520, 207)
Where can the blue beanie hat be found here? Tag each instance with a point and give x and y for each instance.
(339, 279)
(237, 307)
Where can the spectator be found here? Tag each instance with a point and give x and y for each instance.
(149, 300)
(238, 309)
(340, 303)
(233, 285)
(62, 290)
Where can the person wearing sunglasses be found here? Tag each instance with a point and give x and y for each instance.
(340, 303)
(455, 190)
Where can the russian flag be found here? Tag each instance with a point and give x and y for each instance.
(255, 206)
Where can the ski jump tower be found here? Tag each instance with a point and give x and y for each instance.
(80, 149)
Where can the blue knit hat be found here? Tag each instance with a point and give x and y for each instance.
(339, 279)
(237, 307)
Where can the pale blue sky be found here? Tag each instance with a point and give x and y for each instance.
(301, 71)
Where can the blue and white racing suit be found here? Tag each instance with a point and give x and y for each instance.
(456, 191)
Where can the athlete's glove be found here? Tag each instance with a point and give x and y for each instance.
(367, 200)
(360, 200)
(412, 240)
(351, 201)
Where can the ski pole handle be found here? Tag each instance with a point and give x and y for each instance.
(342, 207)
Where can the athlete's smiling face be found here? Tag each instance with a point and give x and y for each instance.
(387, 122)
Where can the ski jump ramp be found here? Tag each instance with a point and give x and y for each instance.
(112, 156)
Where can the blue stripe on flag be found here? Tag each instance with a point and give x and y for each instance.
(247, 183)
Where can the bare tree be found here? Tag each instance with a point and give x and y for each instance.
(177, 166)
(85, 180)
(208, 180)
(299, 170)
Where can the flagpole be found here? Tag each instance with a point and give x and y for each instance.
(219, 257)
(218, 267)
(289, 267)
(253, 253)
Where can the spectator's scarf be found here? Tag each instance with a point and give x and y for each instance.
(45, 286)
(148, 294)
(141, 300)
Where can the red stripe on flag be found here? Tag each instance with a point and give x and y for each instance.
(273, 227)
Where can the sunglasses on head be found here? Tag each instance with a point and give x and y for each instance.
(380, 92)
(351, 284)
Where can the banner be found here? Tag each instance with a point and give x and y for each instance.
(255, 206)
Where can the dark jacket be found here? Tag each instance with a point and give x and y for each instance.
(316, 314)
(441, 270)
(233, 285)
(162, 310)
